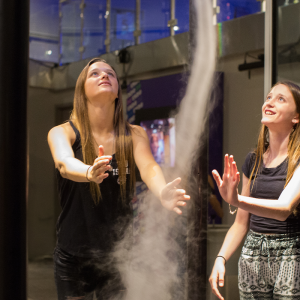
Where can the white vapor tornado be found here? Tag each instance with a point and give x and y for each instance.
(150, 268)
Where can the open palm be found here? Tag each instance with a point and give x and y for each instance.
(228, 184)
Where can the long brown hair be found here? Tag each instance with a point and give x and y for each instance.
(122, 132)
(294, 139)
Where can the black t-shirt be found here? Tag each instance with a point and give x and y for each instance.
(269, 184)
(83, 228)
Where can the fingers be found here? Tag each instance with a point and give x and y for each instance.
(103, 164)
(101, 151)
(177, 210)
(174, 183)
(226, 165)
(231, 165)
(101, 177)
(221, 279)
(98, 171)
(234, 171)
(213, 283)
(217, 177)
(180, 192)
(97, 176)
(104, 157)
(173, 197)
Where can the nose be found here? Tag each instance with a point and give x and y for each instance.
(270, 102)
(104, 75)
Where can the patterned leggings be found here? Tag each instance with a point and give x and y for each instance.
(269, 266)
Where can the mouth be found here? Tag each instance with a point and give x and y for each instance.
(104, 83)
(269, 112)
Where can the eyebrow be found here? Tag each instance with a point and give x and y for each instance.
(102, 69)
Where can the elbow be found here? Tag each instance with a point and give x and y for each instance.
(284, 214)
(62, 169)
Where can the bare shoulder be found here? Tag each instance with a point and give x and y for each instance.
(64, 130)
(138, 132)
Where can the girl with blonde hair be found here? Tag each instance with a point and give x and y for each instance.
(95, 154)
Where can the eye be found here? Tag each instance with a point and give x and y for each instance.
(268, 98)
(281, 99)
(111, 73)
(94, 73)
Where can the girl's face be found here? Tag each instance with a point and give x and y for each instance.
(101, 81)
(279, 109)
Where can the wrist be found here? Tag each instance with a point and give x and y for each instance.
(239, 200)
(87, 174)
(160, 195)
(221, 257)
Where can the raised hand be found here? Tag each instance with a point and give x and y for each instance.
(171, 197)
(96, 172)
(228, 184)
(217, 277)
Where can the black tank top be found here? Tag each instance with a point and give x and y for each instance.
(269, 184)
(83, 228)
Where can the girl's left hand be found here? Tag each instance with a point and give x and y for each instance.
(228, 184)
(171, 197)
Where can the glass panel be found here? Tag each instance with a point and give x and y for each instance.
(288, 47)
(155, 15)
(122, 24)
(44, 30)
(94, 28)
(70, 31)
(182, 16)
(232, 9)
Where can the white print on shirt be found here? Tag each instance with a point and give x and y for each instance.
(116, 171)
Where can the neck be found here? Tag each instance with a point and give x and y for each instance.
(278, 143)
(101, 117)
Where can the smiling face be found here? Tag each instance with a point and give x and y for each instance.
(101, 81)
(279, 109)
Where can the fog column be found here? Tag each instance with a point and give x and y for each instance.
(197, 212)
(14, 20)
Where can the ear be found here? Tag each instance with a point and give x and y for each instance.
(296, 119)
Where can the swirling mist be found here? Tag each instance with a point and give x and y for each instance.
(153, 267)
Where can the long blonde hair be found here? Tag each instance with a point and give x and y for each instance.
(293, 145)
(122, 132)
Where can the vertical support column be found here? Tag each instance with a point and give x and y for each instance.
(81, 48)
(172, 22)
(274, 41)
(216, 10)
(197, 213)
(60, 31)
(137, 32)
(107, 16)
(14, 37)
(172, 15)
(271, 20)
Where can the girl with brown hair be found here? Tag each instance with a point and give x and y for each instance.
(269, 264)
(95, 155)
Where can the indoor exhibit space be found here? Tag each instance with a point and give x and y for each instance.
(104, 105)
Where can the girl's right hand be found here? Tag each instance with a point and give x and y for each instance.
(228, 184)
(217, 276)
(96, 172)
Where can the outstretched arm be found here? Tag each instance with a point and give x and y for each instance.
(60, 139)
(278, 209)
(170, 196)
